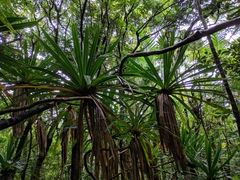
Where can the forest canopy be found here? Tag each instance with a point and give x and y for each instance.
(110, 90)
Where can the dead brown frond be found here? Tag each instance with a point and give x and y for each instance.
(140, 162)
(169, 130)
(4, 94)
(41, 137)
(72, 118)
(103, 146)
(125, 160)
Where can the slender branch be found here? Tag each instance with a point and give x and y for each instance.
(83, 10)
(126, 15)
(5, 123)
(12, 41)
(196, 36)
(145, 24)
(159, 11)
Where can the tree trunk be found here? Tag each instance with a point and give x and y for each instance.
(221, 71)
(19, 99)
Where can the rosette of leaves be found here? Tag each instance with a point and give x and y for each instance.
(80, 74)
(161, 79)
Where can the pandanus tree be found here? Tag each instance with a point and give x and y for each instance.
(78, 75)
(15, 71)
(18, 79)
(12, 24)
(81, 75)
(167, 85)
(136, 138)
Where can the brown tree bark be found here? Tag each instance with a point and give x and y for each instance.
(19, 100)
(220, 69)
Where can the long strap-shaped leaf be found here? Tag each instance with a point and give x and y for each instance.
(154, 72)
(93, 53)
(61, 58)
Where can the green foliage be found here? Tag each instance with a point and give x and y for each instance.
(167, 80)
(201, 152)
(7, 161)
(71, 58)
(82, 70)
(231, 60)
(9, 23)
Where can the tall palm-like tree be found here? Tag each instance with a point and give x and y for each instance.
(81, 75)
(16, 72)
(166, 87)
(137, 134)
